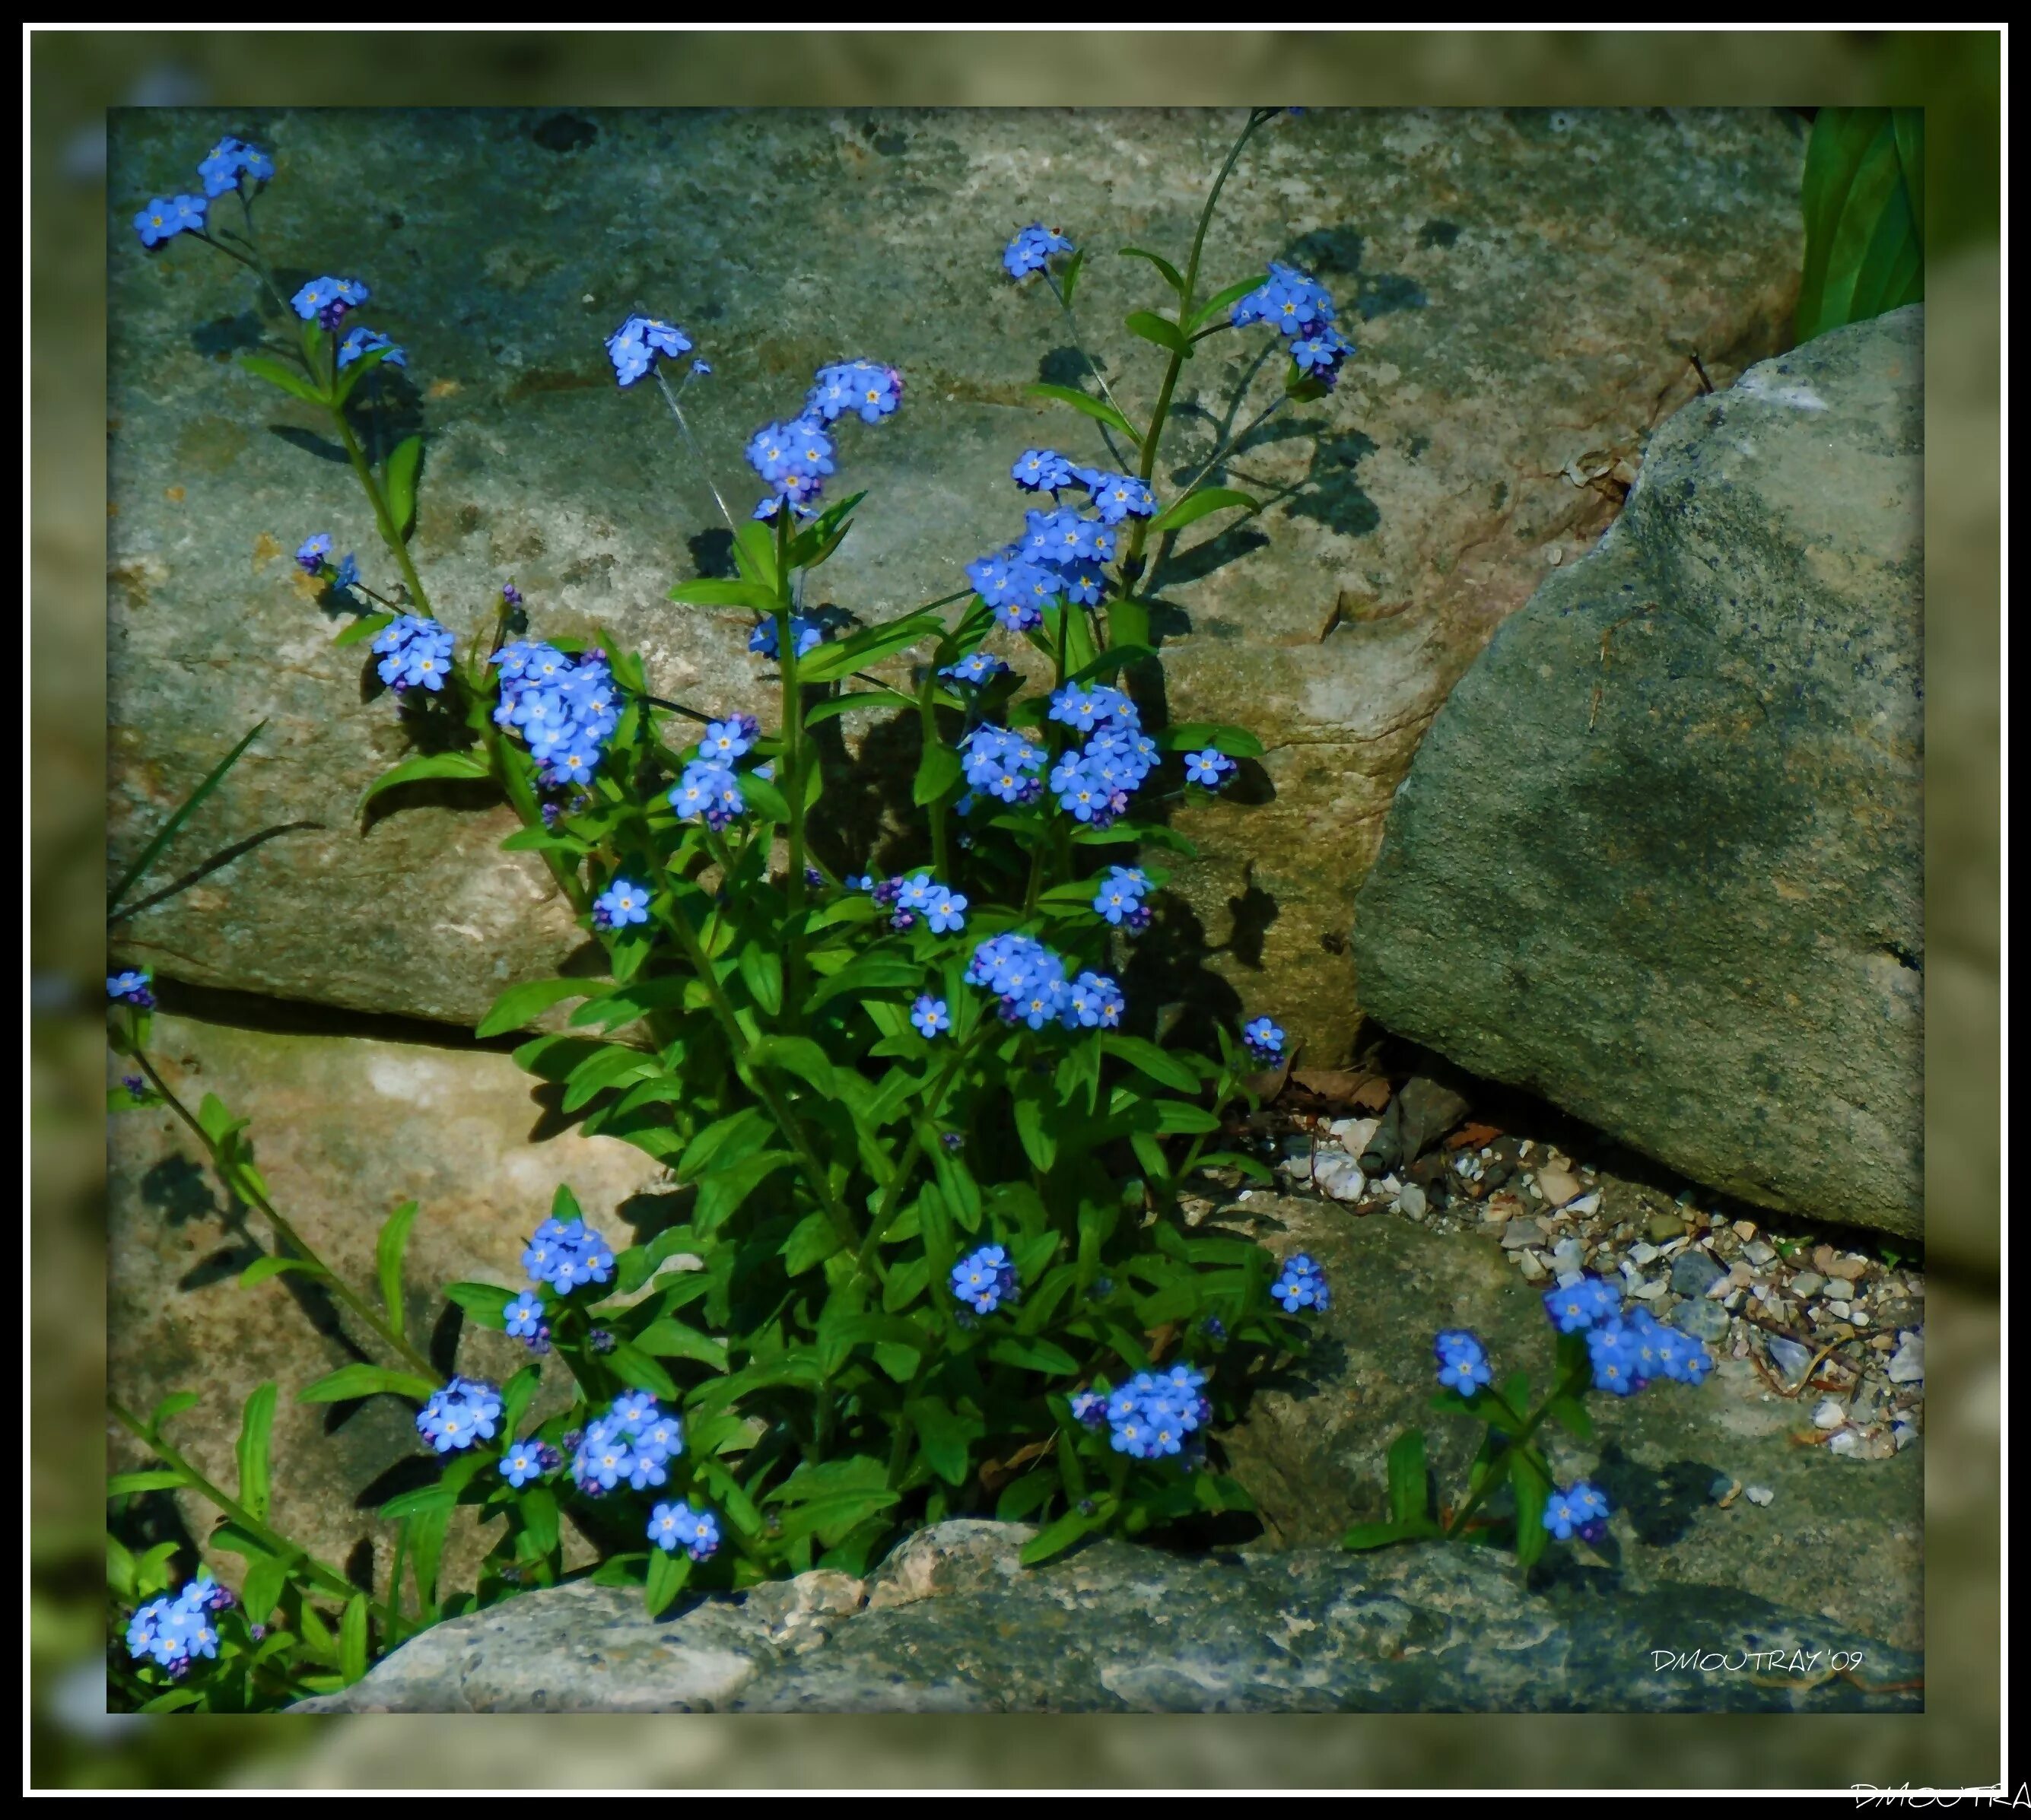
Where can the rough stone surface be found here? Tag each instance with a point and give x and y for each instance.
(1118, 1629)
(1845, 1539)
(1659, 857)
(344, 1129)
(1527, 287)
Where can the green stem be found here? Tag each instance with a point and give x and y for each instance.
(892, 1197)
(793, 762)
(383, 520)
(237, 1181)
(1566, 1387)
(927, 716)
(327, 1577)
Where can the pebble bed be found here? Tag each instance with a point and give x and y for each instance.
(1840, 1332)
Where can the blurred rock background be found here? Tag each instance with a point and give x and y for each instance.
(76, 76)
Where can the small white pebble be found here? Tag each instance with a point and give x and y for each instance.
(1759, 1494)
(1829, 1414)
(1846, 1442)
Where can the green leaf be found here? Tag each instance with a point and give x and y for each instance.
(1571, 1415)
(834, 1515)
(1094, 407)
(1407, 1491)
(1073, 1526)
(149, 1479)
(814, 1240)
(539, 1505)
(425, 766)
(852, 704)
(725, 594)
(634, 1367)
(364, 1380)
(874, 645)
(1862, 196)
(721, 1193)
(1532, 1488)
(1160, 1065)
(1223, 300)
(362, 628)
(761, 972)
(257, 1421)
(1172, 275)
(398, 483)
(183, 812)
(352, 1639)
(1381, 1534)
(519, 1006)
(609, 1065)
(486, 1302)
(172, 1404)
(938, 771)
(668, 1569)
(1160, 330)
(1069, 278)
(286, 378)
(800, 1056)
(1035, 1126)
(664, 1338)
(388, 1251)
(943, 1435)
(1195, 506)
(1034, 1355)
(262, 1268)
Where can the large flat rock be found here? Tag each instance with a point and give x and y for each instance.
(1526, 285)
(344, 1129)
(1660, 858)
(951, 1624)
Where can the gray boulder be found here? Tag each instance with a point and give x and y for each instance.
(1659, 857)
(1527, 286)
(952, 1624)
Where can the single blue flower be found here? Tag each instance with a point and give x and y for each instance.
(1093, 1001)
(810, 635)
(931, 1015)
(1117, 496)
(314, 553)
(347, 574)
(944, 909)
(1264, 1040)
(633, 347)
(1319, 354)
(724, 741)
(1210, 769)
(521, 1463)
(222, 167)
(1301, 1285)
(1463, 1363)
(976, 667)
(130, 987)
(523, 1316)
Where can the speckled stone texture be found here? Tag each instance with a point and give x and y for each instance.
(1659, 858)
(344, 1129)
(951, 1624)
(1842, 1539)
(1526, 286)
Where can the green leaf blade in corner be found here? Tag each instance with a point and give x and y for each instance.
(1863, 196)
(399, 481)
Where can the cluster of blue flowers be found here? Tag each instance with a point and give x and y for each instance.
(1119, 898)
(917, 895)
(976, 669)
(1093, 784)
(326, 301)
(675, 1526)
(633, 347)
(1154, 1414)
(1302, 1284)
(864, 386)
(1302, 310)
(635, 1441)
(565, 1254)
(1115, 496)
(1463, 1364)
(415, 653)
(807, 632)
(170, 1630)
(226, 166)
(1626, 1350)
(1264, 1040)
(1581, 1507)
(1030, 986)
(566, 710)
(166, 217)
(710, 789)
(131, 988)
(464, 1411)
(795, 457)
(361, 341)
(985, 1280)
(1060, 555)
(1031, 250)
(1000, 762)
